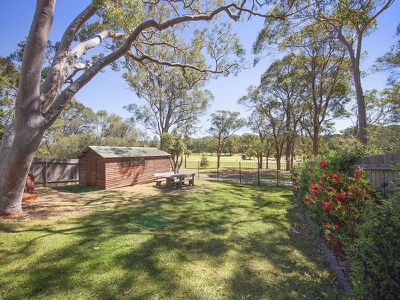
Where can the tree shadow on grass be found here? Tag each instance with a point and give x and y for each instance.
(240, 238)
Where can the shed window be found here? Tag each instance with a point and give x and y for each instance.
(133, 162)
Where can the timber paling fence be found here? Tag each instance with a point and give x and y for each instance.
(52, 171)
(241, 172)
(382, 171)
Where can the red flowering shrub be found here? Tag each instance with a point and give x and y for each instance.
(338, 203)
(323, 164)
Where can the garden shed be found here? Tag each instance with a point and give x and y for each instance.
(110, 167)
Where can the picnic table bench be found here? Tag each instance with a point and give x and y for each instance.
(170, 179)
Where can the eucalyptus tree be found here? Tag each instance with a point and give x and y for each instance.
(391, 61)
(8, 92)
(284, 81)
(382, 108)
(224, 124)
(270, 108)
(348, 21)
(324, 68)
(259, 125)
(118, 29)
(173, 98)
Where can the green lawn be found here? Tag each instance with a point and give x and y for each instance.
(228, 161)
(217, 241)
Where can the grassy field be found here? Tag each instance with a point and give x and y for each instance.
(228, 161)
(214, 241)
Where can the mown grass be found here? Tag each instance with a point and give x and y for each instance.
(223, 241)
(229, 162)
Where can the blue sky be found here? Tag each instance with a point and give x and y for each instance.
(109, 91)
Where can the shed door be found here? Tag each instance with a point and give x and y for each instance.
(92, 171)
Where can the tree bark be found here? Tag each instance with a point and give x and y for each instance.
(14, 168)
(287, 155)
(315, 140)
(362, 115)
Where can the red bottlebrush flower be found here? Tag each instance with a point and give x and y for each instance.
(326, 205)
(326, 225)
(336, 226)
(311, 168)
(314, 186)
(308, 199)
(323, 164)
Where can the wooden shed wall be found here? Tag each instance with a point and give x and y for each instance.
(84, 169)
(118, 175)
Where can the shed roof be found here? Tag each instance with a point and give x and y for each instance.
(109, 151)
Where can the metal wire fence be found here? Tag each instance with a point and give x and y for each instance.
(241, 172)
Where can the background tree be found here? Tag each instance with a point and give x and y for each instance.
(224, 124)
(323, 66)
(390, 62)
(175, 145)
(285, 82)
(232, 144)
(129, 27)
(274, 115)
(174, 99)
(259, 125)
(8, 92)
(348, 21)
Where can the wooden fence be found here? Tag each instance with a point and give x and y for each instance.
(51, 171)
(381, 172)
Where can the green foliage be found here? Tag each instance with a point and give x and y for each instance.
(375, 253)
(174, 144)
(345, 159)
(338, 202)
(8, 91)
(391, 61)
(204, 161)
(335, 200)
(79, 126)
(383, 139)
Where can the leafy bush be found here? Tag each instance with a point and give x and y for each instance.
(335, 200)
(375, 253)
(244, 156)
(204, 161)
(343, 160)
(338, 203)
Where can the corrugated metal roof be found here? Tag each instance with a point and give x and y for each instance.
(109, 151)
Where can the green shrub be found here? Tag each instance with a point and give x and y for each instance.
(375, 254)
(244, 156)
(204, 161)
(343, 160)
(338, 203)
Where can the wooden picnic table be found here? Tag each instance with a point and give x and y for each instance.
(171, 176)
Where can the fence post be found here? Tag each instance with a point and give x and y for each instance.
(45, 174)
(198, 170)
(240, 172)
(258, 174)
